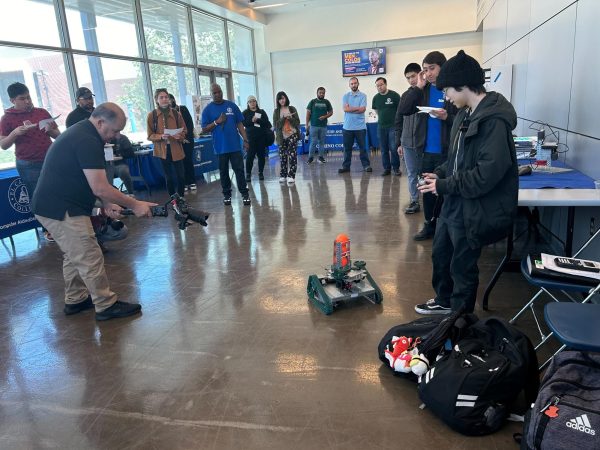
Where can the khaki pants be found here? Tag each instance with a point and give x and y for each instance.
(83, 264)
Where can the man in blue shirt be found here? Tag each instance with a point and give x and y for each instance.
(432, 130)
(355, 127)
(224, 120)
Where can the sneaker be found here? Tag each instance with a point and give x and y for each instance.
(413, 208)
(282, 179)
(368, 169)
(397, 173)
(186, 188)
(119, 309)
(74, 308)
(248, 178)
(322, 160)
(246, 201)
(310, 160)
(426, 232)
(431, 307)
(344, 170)
(48, 236)
(385, 173)
(227, 201)
(261, 177)
(290, 181)
(193, 187)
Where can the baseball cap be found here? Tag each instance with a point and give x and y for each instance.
(83, 92)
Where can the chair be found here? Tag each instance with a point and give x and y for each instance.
(575, 325)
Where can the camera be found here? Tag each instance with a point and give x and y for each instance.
(184, 215)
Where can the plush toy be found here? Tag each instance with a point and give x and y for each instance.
(405, 356)
(399, 345)
(419, 364)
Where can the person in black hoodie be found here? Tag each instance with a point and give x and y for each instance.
(479, 182)
(432, 131)
(256, 123)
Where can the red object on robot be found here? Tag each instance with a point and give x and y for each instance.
(341, 252)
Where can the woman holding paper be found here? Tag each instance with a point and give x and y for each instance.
(167, 130)
(287, 132)
(256, 123)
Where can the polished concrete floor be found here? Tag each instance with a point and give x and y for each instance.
(228, 353)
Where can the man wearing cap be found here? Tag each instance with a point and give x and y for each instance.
(85, 106)
(479, 182)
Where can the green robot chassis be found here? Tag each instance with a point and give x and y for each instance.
(342, 285)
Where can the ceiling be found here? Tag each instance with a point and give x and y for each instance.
(291, 6)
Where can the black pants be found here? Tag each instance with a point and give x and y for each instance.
(428, 163)
(237, 164)
(168, 165)
(188, 163)
(455, 272)
(257, 149)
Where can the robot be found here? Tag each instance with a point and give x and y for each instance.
(344, 281)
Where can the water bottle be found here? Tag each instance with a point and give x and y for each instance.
(543, 156)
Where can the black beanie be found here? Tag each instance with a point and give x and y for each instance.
(460, 70)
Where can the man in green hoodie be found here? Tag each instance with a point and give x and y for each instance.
(479, 182)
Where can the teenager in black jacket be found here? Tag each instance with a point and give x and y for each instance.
(479, 182)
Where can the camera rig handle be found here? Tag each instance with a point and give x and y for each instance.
(182, 212)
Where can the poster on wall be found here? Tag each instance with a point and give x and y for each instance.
(366, 61)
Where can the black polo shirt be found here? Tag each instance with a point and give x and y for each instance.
(77, 115)
(62, 185)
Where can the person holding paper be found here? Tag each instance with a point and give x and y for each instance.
(287, 133)
(256, 123)
(20, 126)
(167, 130)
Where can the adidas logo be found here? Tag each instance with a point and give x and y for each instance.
(581, 423)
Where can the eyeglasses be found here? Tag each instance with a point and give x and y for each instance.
(445, 91)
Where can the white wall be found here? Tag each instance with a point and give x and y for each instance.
(300, 72)
(553, 46)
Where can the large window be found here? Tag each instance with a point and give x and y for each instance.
(209, 34)
(44, 74)
(166, 31)
(19, 24)
(105, 26)
(240, 45)
(121, 50)
(120, 82)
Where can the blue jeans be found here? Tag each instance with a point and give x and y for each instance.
(317, 136)
(361, 139)
(29, 171)
(412, 159)
(389, 154)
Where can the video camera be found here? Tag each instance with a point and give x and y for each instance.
(184, 215)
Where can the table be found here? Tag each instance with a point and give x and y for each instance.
(567, 189)
(15, 212)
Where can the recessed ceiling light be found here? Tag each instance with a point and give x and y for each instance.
(269, 6)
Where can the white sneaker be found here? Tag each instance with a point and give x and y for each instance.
(290, 181)
(282, 180)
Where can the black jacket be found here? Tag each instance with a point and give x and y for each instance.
(252, 131)
(409, 101)
(77, 115)
(189, 122)
(488, 182)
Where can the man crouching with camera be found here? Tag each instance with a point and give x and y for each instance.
(72, 177)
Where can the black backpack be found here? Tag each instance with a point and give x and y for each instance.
(566, 413)
(473, 387)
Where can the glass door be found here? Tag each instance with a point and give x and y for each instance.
(205, 78)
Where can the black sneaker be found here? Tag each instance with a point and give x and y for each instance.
(386, 173)
(246, 201)
(74, 308)
(426, 232)
(368, 169)
(431, 307)
(413, 208)
(310, 160)
(322, 160)
(227, 201)
(261, 177)
(119, 309)
(344, 170)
